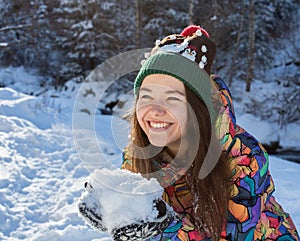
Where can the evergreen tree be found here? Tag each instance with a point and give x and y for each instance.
(15, 23)
(44, 45)
(159, 19)
(66, 39)
(73, 31)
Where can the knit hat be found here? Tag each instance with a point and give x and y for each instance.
(187, 56)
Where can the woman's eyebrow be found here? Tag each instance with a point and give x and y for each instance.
(175, 92)
(167, 92)
(145, 89)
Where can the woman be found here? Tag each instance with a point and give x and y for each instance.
(218, 192)
(252, 213)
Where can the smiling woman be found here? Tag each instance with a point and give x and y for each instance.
(215, 175)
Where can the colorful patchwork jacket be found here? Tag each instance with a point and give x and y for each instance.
(253, 213)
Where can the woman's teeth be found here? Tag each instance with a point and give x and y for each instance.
(159, 125)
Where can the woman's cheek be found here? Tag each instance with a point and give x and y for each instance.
(180, 113)
(140, 114)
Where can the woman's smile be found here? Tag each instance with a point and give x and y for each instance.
(158, 126)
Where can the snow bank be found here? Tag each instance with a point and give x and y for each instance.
(13, 103)
(265, 132)
(286, 181)
(41, 176)
(124, 197)
(23, 80)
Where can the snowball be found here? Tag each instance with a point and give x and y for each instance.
(124, 197)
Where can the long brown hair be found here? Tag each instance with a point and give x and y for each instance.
(209, 195)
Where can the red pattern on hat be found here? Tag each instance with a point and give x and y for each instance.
(190, 30)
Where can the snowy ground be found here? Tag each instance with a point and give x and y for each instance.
(42, 176)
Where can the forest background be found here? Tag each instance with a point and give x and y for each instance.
(63, 40)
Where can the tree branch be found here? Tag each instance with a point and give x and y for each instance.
(20, 26)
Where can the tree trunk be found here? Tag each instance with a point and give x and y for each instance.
(236, 51)
(214, 18)
(191, 12)
(137, 24)
(251, 50)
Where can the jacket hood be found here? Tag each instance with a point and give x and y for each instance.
(225, 125)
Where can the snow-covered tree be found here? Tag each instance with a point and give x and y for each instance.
(159, 19)
(16, 18)
(273, 20)
(69, 38)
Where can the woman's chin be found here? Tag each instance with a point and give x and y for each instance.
(158, 144)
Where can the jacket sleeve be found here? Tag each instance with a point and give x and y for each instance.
(251, 180)
(253, 213)
(252, 186)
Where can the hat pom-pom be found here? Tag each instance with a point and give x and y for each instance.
(190, 30)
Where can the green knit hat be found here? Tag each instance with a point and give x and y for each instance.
(183, 69)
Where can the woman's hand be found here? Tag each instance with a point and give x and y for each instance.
(90, 210)
(143, 230)
(125, 205)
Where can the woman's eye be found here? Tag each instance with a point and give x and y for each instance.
(145, 97)
(174, 98)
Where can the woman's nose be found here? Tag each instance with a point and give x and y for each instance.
(157, 110)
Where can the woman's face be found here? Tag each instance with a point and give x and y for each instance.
(162, 110)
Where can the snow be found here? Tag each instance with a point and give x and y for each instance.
(27, 107)
(3, 44)
(119, 193)
(41, 173)
(266, 132)
(287, 191)
(273, 126)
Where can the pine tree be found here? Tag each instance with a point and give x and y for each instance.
(15, 24)
(43, 38)
(157, 23)
(72, 31)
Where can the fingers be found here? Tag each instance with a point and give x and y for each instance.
(88, 186)
(161, 207)
(142, 230)
(90, 215)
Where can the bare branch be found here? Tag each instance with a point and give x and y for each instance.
(20, 26)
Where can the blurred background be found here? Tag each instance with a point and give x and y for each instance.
(258, 43)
